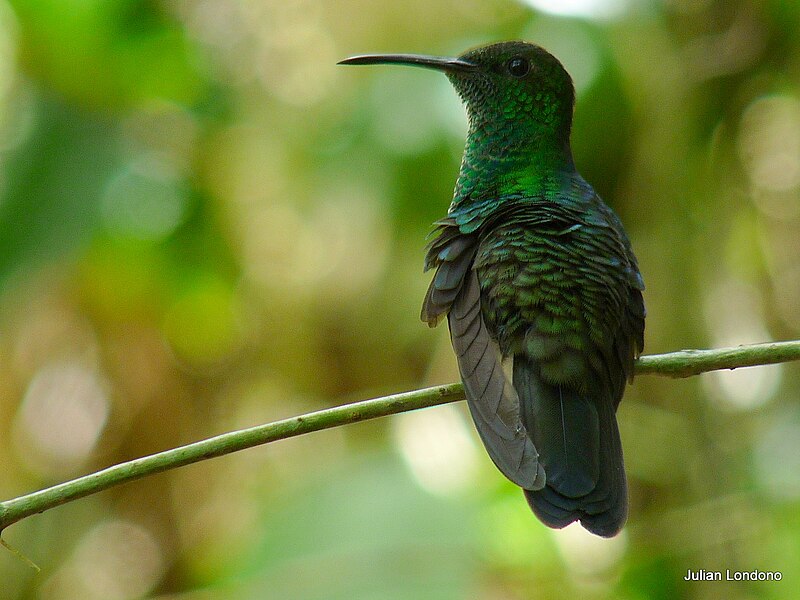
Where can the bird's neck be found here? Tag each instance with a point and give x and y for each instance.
(510, 158)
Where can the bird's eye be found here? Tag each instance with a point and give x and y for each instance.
(518, 66)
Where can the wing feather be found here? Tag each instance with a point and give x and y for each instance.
(492, 401)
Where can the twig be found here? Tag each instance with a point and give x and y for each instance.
(676, 364)
(686, 363)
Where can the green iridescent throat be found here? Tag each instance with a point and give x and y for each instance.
(527, 152)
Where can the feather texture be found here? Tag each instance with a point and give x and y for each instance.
(603, 510)
(561, 296)
(493, 403)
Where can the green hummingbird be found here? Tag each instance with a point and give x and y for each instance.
(540, 286)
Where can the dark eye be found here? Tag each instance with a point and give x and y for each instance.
(518, 66)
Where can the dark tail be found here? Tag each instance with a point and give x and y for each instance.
(578, 442)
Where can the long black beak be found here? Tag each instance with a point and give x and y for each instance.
(439, 63)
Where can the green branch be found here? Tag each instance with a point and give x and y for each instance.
(686, 363)
(676, 364)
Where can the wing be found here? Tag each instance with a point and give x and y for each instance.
(492, 401)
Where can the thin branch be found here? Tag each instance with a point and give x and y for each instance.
(676, 364)
(686, 363)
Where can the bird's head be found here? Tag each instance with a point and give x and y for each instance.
(505, 82)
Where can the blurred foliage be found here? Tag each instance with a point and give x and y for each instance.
(205, 224)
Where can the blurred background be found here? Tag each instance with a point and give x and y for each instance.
(205, 224)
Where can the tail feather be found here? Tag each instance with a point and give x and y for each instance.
(564, 428)
(579, 445)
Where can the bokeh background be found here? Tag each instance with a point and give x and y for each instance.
(206, 224)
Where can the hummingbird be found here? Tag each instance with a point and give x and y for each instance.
(540, 287)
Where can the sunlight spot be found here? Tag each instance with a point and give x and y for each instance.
(777, 458)
(117, 560)
(296, 56)
(587, 554)
(437, 448)
(746, 388)
(144, 200)
(769, 142)
(591, 9)
(769, 149)
(734, 314)
(61, 417)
